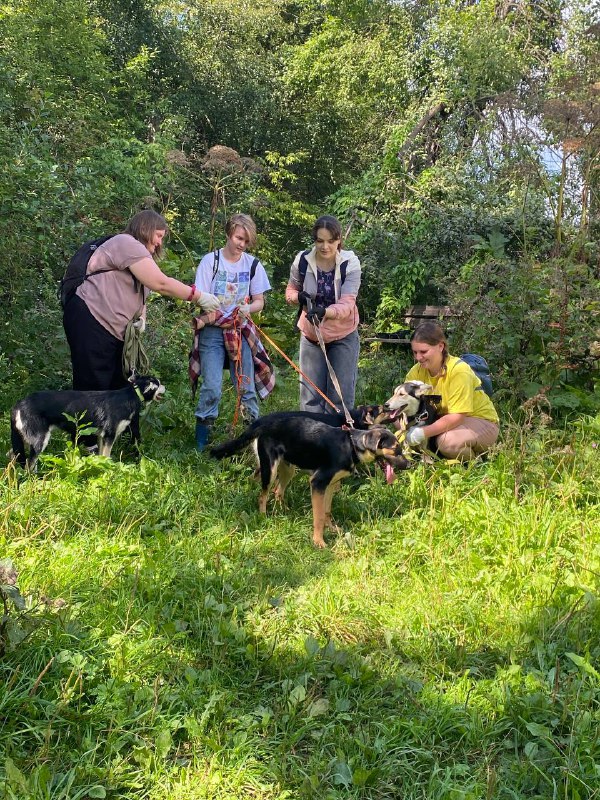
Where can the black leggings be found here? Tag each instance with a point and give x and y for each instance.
(96, 355)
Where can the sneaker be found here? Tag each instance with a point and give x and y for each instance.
(202, 435)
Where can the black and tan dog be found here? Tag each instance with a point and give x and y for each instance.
(288, 440)
(110, 412)
(363, 417)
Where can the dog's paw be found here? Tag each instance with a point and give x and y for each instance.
(331, 525)
(319, 542)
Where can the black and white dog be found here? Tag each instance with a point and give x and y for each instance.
(110, 412)
(414, 401)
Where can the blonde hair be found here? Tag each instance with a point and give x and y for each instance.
(242, 221)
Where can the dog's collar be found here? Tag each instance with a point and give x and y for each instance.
(137, 390)
(355, 454)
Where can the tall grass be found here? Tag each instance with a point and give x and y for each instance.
(178, 645)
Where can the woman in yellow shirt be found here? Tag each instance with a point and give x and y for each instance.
(468, 424)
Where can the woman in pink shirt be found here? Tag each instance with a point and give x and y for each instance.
(120, 274)
(324, 281)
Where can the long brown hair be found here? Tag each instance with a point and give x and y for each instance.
(143, 225)
(431, 333)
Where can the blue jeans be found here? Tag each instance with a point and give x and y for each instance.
(212, 357)
(343, 357)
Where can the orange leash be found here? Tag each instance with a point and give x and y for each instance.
(298, 370)
(240, 378)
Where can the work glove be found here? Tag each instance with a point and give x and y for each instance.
(415, 436)
(303, 298)
(244, 308)
(140, 324)
(208, 302)
(316, 314)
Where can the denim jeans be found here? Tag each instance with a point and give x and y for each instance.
(212, 357)
(343, 357)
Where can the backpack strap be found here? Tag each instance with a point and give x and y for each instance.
(343, 270)
(215, 265)
(253, 268)
(252, 274)
(303, 267)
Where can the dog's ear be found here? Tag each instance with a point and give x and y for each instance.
(422, 388)
(368, 417)
(378, 438)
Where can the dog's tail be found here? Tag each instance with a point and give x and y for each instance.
(234, 446)
(18, 444)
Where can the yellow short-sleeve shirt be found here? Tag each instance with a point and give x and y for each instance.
(460, 389)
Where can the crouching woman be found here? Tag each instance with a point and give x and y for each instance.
(468, 425)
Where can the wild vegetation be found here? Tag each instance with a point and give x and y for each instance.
(160, 639)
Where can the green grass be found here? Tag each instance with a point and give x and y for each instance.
(178, 645)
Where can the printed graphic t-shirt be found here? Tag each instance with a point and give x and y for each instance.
(232, 283)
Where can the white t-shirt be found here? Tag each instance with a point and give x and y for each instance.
(232, 283)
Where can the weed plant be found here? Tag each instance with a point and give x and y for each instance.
(175, 644)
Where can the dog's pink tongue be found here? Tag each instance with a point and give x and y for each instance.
(390, 475)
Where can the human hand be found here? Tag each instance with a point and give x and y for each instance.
(303, 298)
(415, 436)
(316, 314)
(208, 302)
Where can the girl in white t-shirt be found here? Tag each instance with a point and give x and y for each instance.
(228, 276)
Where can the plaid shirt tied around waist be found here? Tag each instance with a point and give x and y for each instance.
(233, 327)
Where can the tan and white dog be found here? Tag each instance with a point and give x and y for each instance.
(412, 405)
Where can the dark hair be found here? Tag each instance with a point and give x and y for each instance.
(431, 333)
(143, 225)
(242, 221)
(330, 224)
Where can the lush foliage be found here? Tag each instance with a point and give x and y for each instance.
(158, 638)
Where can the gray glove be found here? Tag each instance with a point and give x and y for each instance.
(415, 436)
(208, 302)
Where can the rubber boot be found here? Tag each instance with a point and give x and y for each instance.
(202, 434)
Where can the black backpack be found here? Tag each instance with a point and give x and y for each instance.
(76, 272)
(480, 367)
